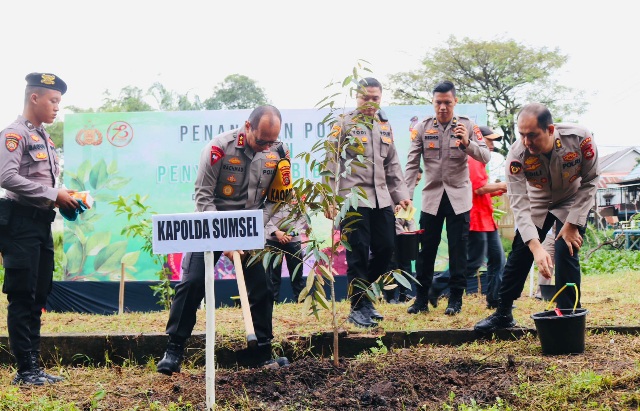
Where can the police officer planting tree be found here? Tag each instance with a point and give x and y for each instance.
(235, 171)
(552, 175)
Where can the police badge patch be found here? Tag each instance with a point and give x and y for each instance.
(515, 167)
(12, 141)
(558, 143)
(216, 154)
(478, 133)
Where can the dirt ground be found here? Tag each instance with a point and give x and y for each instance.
(485, 375)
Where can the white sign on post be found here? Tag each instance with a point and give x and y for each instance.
(210, 231)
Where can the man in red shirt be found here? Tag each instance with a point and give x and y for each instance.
(484, 237)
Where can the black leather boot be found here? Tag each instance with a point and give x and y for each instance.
(361, 317)
(172, 359)
(262, 357)
(420, 303)
(371, 311)
(502, 318)
(455, 302)
(35, 357)
(28, 373)
(433, 297)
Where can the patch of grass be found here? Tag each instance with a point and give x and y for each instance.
(610, 298)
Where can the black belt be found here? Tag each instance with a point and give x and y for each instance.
(40, 214)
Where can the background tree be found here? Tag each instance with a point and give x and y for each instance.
(130, 99)
(236, 92)
(503, 74)
(171, 101)
(55, 131)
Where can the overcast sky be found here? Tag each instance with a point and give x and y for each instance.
(294, 48)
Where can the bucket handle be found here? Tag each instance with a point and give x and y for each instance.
(575, 305)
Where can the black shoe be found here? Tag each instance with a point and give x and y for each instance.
(372, 313)
(274, 363)
(496, 321)
(433, 298)
(172, 359)
(494, 305)
(50, 378)
(419, 304)
(29, 377)
(455, 302)
(416, 309)
(361, 318)
(403, 298)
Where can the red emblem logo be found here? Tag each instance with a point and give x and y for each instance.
(588, 154)
(120, 133)
(570, 156)
(216, 154)
(241, 138)
(585, 141)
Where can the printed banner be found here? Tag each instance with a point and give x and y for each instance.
(155, 155)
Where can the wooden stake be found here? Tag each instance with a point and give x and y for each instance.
(121, 299)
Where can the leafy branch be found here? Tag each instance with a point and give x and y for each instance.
(140, 226)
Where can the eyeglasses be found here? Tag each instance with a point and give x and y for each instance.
(263, 143)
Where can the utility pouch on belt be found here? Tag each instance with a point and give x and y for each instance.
(281, 187)
(5, 211)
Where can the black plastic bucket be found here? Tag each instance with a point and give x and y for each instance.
(561, 334)
(407, 246)
(547, 291)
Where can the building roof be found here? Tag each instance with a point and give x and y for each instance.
(633, 175)
(610, 159)
(609, 178)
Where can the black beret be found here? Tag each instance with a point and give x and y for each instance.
(46, 80)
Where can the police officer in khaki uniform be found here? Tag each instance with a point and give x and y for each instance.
(383, 183)
(234, 173)
(444, 141)
(552, 175)
(29, 168)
